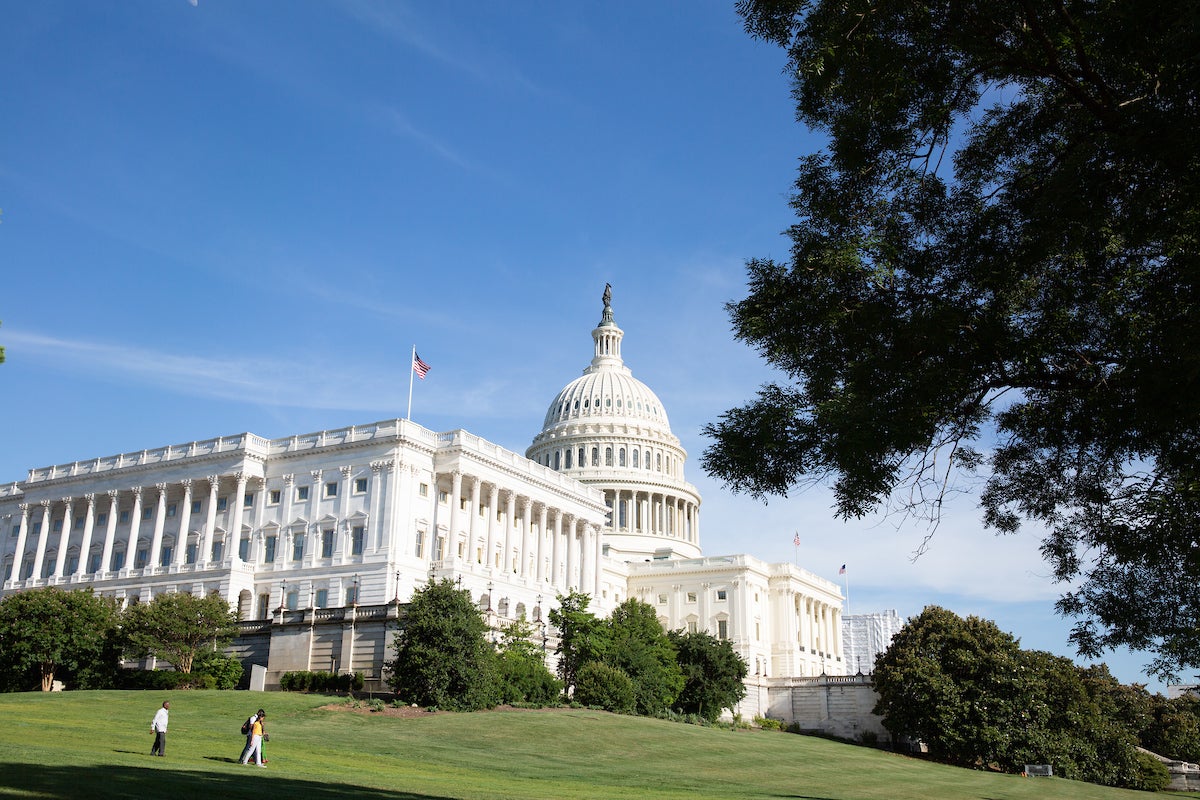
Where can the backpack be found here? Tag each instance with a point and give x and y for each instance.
(246, 728)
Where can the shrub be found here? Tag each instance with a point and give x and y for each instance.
(328, 682)
(225, 670)
(768, 724)
(1150, 774)
(165, 679)
(599, 685)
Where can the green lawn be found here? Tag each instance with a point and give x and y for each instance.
(97, 745)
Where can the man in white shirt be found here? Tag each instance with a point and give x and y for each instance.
(159, 726)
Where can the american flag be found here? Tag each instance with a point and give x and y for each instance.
(419, 366)
(842, 571)
(796, 539)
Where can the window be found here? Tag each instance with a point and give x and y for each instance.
(357, 534)
(331, 489)
(608, 462)
(248, 500)
(692, 626)
(269, 550)
(123, 518)
(721, 595)
(147, 513)
(78, 523)
(662, 599)
(419, 545)
(244, 549)
(222, 503)
(582, 461)
(94, 562)
(165, 561)
(72, 564)
(691, 597)
(568, 462)
(139, 558)
(264, 606)
(658, 461)
(360, 485)
(171, 509)
(423, 490)
(301, 493)
(195, 506)
(322, 598)
(352, 595)
(327, 543)
(595, 456)
(118, 560)
(298, 547)
(274, 496)
(218, 551)
(722, 629)
(192, 549)
(293, 600)
(58, 523)
(621, 457)
(442, 496)
(102, 519)
(558, 459)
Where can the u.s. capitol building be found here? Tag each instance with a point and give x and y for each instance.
(317, 539)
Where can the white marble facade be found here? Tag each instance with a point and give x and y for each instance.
(364, 515)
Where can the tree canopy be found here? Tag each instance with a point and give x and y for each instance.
(638, 647)
(994, 271)
(443, 657)
(713, 674)
(44, 632)
(177, 626)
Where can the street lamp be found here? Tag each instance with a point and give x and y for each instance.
(282, 595)
(354, 597)
(397, 598)
(489, 608)
(538, 611)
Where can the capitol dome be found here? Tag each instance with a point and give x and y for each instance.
(609, 430)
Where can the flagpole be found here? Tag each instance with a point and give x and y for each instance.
(846, 585)
(411, 362)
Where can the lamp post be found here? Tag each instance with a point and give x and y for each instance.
(354, 597)
(397, 597)
(282, 596)
(489, 608)
(538, 609)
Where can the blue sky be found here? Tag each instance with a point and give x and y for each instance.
(226, 216)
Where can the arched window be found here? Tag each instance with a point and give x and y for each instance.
(582, 458)
(608, 462)
(621, 457)
(568, 460)
(635, 458)
(658, 461)
(558, 459)
(647, 459)
(595, 456)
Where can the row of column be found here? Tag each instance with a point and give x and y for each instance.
(91, 501)
(654, 514)
(564, 551)
(815, 625)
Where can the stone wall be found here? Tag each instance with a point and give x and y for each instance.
(833, 705)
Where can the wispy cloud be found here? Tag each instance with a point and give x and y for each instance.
(399, 124)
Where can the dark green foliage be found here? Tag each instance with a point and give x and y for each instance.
(713, 674)
(1151, 775)
(442, 656)
(598, 685)
(43, 631)
(225, 670)
(995, 267)
(320, 682)
(1174, 731)
(176, 626)
(523, 677)
(976, 699)
(164, 679)
(581, 636)
(638, 647)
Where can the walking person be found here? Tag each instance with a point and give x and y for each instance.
(256, 737)
(248, 729)
(159, 727)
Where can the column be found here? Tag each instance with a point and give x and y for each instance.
(509, 514)
(110, 532)
(473, 522)
(374, 504)
(204, 548)
(586, 537)
(22, 533)
(493, 510)
(43, 536)
(185, 524)
(455, 502)
(160, 524)
(556, 549)
(135, 525)
(597, 547)
(526, 527)
(64, 539)
(572, 556)
(239, 502)
(85, 544)
(541, 544)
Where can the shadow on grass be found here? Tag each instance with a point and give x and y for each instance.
(107, 782)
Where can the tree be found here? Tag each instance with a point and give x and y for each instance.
(581, 636)
(975, 698)
(638, 647)
(713, 674)
(46, 631)
(176, 626)
(443, 658)
(994, 270)
(523, 675)
(604, 686)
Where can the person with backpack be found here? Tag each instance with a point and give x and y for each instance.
(253, 730)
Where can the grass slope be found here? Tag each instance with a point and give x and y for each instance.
(97, 744)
